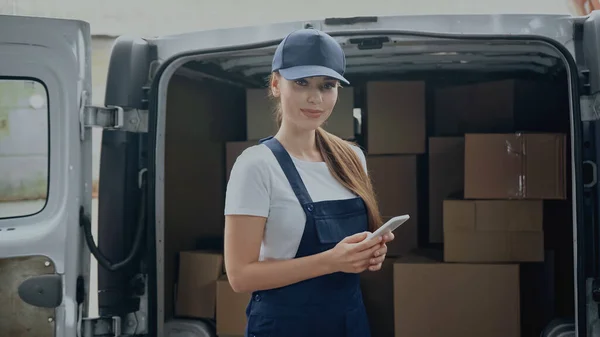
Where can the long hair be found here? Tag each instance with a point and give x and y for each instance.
(343, 163)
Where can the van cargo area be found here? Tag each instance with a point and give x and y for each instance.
(471, 138)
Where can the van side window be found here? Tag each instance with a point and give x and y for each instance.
(24, 147)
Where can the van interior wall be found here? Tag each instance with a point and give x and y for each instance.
(201, 116)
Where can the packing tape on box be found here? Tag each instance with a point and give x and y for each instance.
(518, 149)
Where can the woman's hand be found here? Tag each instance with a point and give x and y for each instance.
(353, 254)
(380, 254)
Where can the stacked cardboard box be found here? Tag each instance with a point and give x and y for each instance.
(395, 138)
(486, 197)
(485, 206)
(507, 177)
(204, 292)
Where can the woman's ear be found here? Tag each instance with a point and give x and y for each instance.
(275, 82)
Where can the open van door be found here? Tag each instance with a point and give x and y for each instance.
(45, 175)
(587, 255)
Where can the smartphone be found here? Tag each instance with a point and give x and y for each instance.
(389, 226)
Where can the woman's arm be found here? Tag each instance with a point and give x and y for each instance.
(243, 237)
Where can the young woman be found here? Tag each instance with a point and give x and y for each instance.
(299, 206)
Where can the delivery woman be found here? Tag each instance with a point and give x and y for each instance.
(299, 206)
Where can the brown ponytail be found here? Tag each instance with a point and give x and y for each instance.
(345, 165)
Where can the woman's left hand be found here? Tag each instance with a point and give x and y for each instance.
(379, 255)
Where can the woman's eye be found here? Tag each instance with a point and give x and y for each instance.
(301, 82)
(329, 85)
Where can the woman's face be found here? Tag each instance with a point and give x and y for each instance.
(306, 103)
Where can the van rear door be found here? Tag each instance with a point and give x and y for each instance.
(586, 39)
(45, 175)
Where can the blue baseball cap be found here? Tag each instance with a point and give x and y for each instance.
(308, 53)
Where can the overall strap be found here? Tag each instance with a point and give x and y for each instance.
(288, 167)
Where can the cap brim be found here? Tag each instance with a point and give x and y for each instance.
(296, 73)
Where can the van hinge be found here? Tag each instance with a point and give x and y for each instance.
(590, 108)
(115, 118)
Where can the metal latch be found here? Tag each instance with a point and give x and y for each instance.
(590, 108)
(133, 324)
(102, 326)
(115, 118)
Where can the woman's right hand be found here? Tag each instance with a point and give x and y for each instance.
(353, 253)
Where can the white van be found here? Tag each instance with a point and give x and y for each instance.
(160, 128)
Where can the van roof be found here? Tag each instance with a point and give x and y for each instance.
(558, 27)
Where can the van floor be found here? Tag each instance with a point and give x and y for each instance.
(203, 115)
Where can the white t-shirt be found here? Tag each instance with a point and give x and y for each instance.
(257, 186)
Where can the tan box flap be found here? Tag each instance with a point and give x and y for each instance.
(395, 183)
(231, 309)
(493, 230)
(544, 166)
(396, 117)
(456, 300)
(515, 166)
(197, 284)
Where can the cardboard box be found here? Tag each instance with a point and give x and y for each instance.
(202, 117)
(396, 117)
(434, 299)
(493, 230)
(260, 110)
(231, 309)
(446, 178)
(515, 166)
(482, 107)
(500, 107)
(197, 284)
(395, 184)
(233, 150)
(378, 296)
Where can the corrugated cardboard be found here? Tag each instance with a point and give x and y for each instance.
(515, 166)
(378, 296)
(481, 107)
(395, 183)
(433, 299)
(260, 110)
(446, 178)
(197, 284)
(231, 309)
(500, 106)
(493, 231)
(202, 116)
(396, 117)
(234, 149)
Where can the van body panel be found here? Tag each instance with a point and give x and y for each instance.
(557, 27)
(55, 53)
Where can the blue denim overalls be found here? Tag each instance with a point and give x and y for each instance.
(329, 305)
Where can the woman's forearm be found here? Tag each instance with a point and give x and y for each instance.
(271, 274)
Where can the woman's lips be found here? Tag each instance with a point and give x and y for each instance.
(312, 113)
